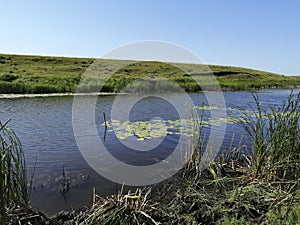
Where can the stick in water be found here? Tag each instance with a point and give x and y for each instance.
(104, 119)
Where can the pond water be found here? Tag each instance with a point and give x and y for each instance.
(44, 126)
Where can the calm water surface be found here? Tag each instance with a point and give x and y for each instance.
(44, 126)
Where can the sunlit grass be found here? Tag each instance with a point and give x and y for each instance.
(41, 74)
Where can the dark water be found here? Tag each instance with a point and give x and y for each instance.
(44, 126)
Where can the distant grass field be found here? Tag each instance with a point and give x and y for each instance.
(22, 74)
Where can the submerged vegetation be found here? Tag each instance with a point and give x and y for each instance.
(259, 187)
(40, 74)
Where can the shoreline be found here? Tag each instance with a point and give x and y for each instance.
(9, 96)
(46, 95)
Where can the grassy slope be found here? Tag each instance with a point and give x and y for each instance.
(40, 74)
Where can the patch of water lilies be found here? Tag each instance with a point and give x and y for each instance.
(149, 129)
(156, 128)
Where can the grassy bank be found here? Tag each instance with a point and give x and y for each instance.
(262, 187)
(40, 74)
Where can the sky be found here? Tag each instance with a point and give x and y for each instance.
(258, 34)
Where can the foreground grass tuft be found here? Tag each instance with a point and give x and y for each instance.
(13, 185)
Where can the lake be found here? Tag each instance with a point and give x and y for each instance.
(44, 126)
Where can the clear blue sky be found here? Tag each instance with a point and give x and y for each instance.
(260, 34)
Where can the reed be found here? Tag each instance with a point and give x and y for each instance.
(195, 144)
(13, 182)
(274, 134)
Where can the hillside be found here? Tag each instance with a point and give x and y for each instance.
(22, 74)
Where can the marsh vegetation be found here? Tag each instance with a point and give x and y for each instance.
(258, 187)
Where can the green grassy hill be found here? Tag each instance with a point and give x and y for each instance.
(42, 74)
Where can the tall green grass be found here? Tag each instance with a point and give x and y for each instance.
(259, 188)
(275, 137)
(13, 184)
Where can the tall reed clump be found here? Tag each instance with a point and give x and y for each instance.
(275, 134)
(194, 144)
(13, 183)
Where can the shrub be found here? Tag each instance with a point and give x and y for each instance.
(8, 77)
